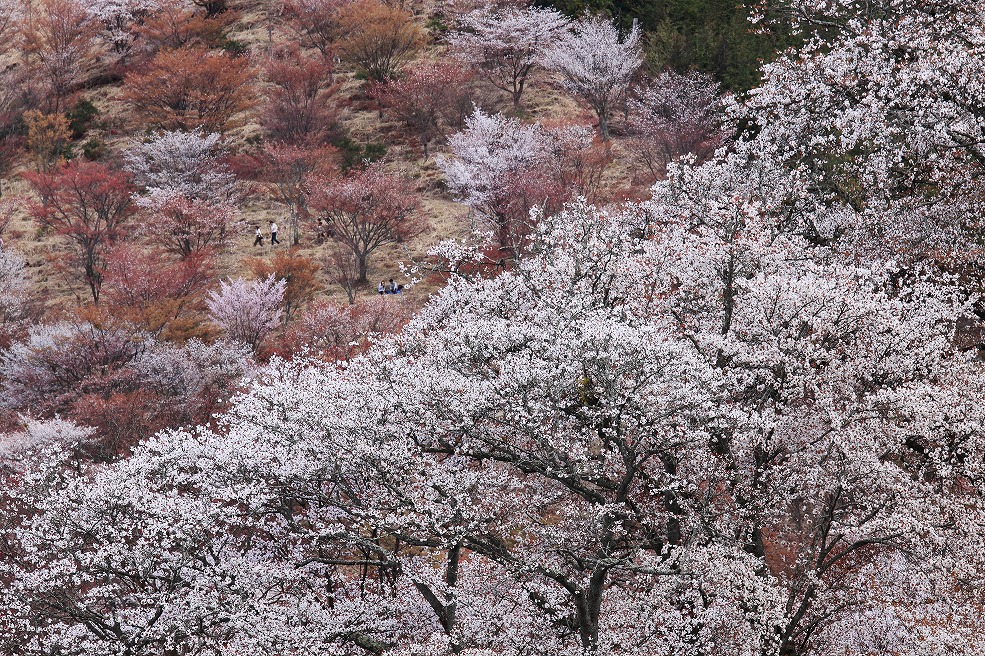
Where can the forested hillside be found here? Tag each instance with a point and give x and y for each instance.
(336, 327)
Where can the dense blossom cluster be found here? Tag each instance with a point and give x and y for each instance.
(503, 168)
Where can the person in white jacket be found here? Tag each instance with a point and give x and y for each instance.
(273, 233)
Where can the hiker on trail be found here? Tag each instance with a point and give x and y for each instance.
(381, 289)
(273, 233)
(259, 238)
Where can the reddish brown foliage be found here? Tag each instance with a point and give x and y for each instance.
(175, 25)
(89, 205)
(184, 226)
(65, 361)
(316, 22)
(365, 210)
(338, 332)
(124, 418)
(430, 99)
(160, 296)
(59, 34)
(191, 88)
(577, 164)
(294, 269)
(299, 108)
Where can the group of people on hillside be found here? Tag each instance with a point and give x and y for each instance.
(391, 288)
(273, 235)
(383, 288)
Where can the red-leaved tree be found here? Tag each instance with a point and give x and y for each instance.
(365, 210)
(316, 23)
(430, 99)
(162, 296)
(300, 106)
(286, 169)
(339, 332)
(184, 226)
(88, 204)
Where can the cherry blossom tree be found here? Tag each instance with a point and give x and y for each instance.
(120, 19)
(247, 311)
(829, 115)
(487, 156)
(57, 363)
(188, 164)
(506, 43)
(732, 419)
(604, 461)
(11, 15)
(597, 64)
(17, 289)
(59, 36)
(502, 168)
(38, 434)
(366, 210)
(675, 115)
(200, 377)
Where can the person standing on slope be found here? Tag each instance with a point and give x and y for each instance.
(273, 233)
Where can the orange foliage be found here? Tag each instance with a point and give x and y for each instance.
(296, 270)
(175, 25)
(378, 39)
(191, 88)
(59, 35)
